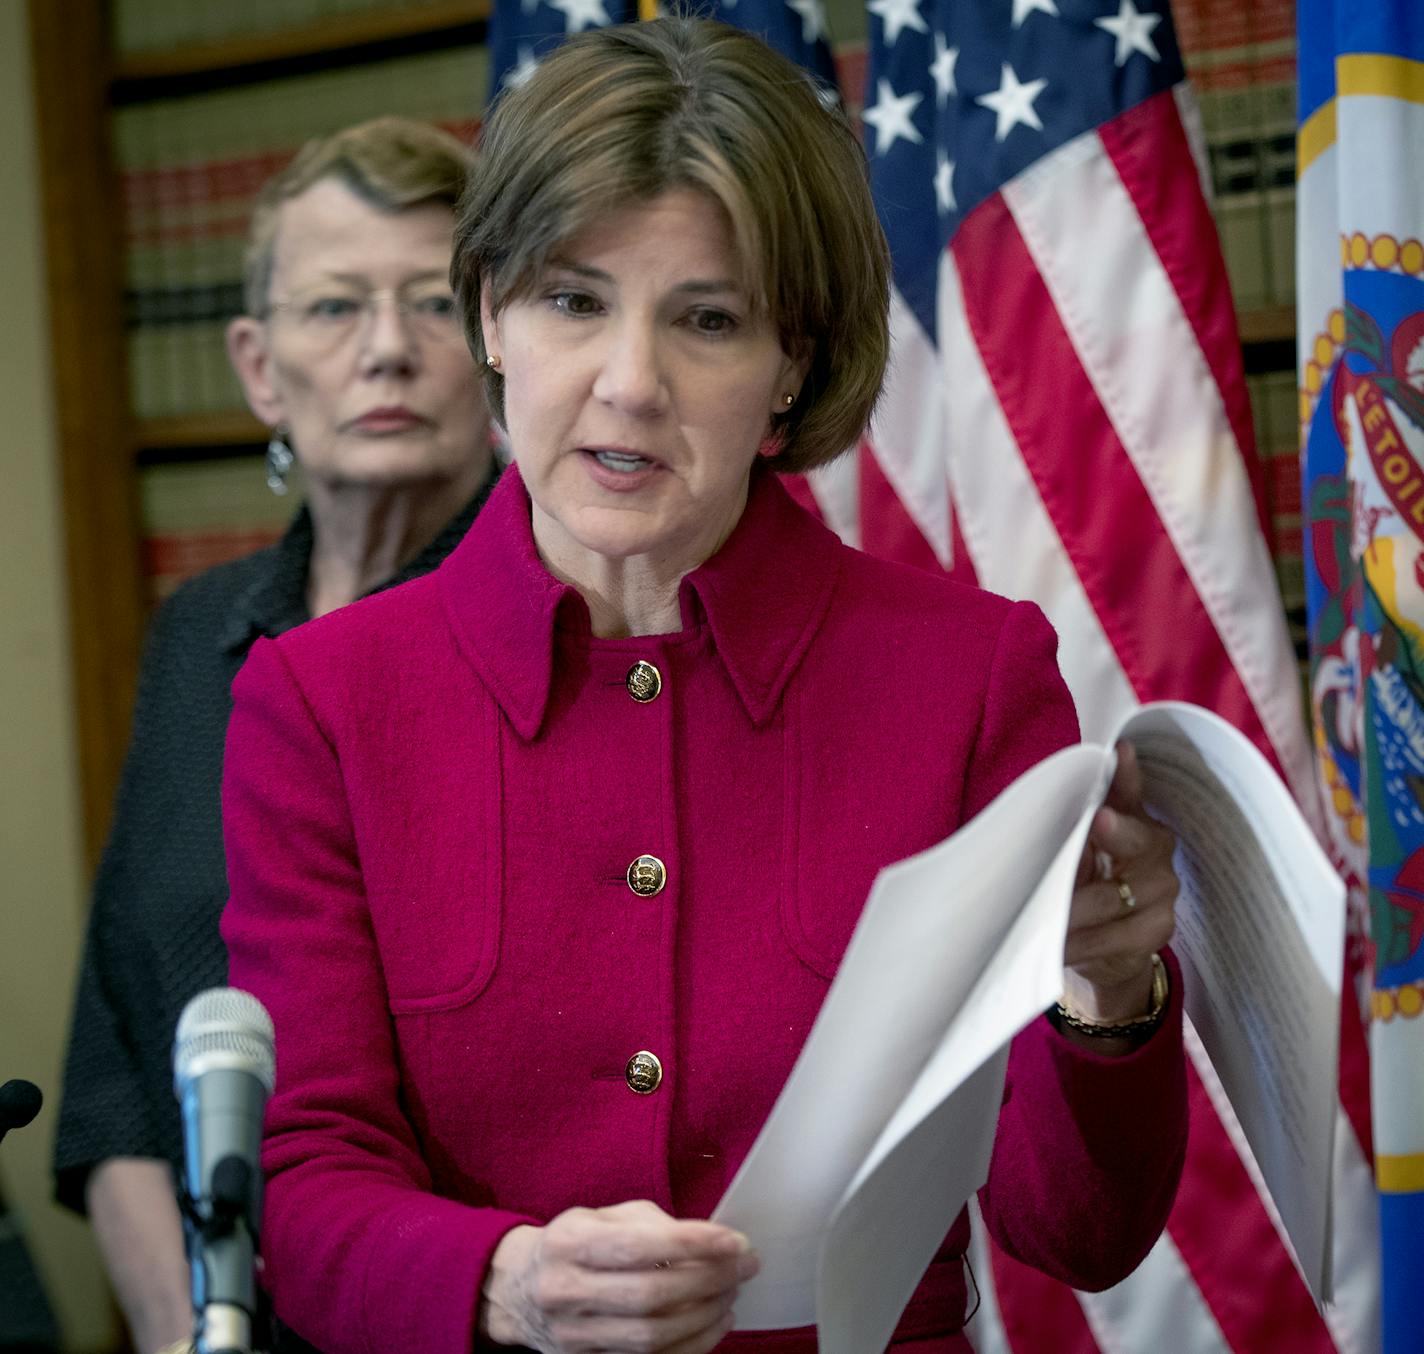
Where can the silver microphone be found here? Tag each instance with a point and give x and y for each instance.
(224, 1068)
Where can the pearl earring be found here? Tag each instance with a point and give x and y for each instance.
(492, 361)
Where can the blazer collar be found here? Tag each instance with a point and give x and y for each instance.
(763, 596)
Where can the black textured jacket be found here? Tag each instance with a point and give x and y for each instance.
(153, 939)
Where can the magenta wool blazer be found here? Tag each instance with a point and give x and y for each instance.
(432, 801)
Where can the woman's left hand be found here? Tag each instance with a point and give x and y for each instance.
(1118, 923)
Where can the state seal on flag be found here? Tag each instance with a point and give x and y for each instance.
(1377, 408)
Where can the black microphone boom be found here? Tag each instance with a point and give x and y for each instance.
(223, 1071)
(20, 1101)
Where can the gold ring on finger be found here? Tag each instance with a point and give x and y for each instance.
(1124, 891)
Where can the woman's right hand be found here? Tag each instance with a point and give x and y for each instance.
(627, 1278)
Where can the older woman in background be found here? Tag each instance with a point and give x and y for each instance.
(544, 886)
(351, 352)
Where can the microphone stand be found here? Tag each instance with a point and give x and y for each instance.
(220, 1327)
(27, 1319)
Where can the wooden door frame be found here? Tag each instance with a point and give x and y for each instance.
(82, 215)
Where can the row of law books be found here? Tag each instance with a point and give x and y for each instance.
(203, 513)
(141, 26)
(1240, 55)
(190, 168)
(1274, 408)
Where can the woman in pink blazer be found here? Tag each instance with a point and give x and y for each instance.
(543, 863)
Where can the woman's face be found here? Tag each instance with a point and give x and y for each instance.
(639, 383)
(361, 357)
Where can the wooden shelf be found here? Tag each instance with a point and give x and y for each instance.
(230, 428)
(1271, 324)
(369, 29)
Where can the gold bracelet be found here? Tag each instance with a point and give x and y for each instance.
(1116, 1029)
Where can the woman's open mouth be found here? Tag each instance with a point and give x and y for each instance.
(624, 462)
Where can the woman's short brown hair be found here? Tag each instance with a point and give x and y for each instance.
(391, 162)
(623, 114)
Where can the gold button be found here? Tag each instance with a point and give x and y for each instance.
(646, 876)
(644, 1073)
(644, 682)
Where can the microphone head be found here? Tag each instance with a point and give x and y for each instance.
(224, 1027)
(20, 1101)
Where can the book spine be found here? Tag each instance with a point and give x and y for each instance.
(141, 259)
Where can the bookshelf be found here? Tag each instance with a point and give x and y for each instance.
(224, 428)
(178, 111)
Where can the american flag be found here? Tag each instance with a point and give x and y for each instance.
(1066, 420)
(522, 31)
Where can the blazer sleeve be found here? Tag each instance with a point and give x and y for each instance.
(1089, 1151)
(1089, 1148)
(1027, 713)
(349, 1219)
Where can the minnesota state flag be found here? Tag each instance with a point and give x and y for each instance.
(1360, 248)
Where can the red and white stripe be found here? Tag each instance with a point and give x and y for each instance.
(1083, 435)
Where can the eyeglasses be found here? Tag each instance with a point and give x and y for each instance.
(328, 316)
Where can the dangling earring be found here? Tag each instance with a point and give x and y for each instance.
(279, 461)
